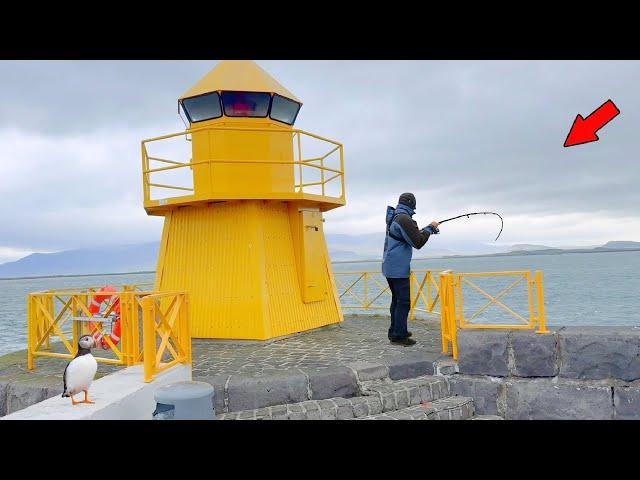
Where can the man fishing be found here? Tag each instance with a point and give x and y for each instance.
(403, 235)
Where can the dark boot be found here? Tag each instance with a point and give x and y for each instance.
(407, 342)
(409, 334)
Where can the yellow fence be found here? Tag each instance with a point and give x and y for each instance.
(64, 315)
(165, 332)
(302, 165)
(369, 291)
(453, 314)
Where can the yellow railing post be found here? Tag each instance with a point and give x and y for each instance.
(125, 326)
(366, 291)
(430, 304)
(185, 336)
(342, 192)
(542, 328)
(50, 308)
(452, 318)
(530, 285)
(322, 174)
(135, 328)
(145, 176)
(30, 331)
(444, 302)
(412, 303)
(149, 337)
(448, 313)
(75, 327)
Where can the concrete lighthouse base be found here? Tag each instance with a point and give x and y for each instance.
(254, 269)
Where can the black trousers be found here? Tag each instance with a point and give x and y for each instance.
(400, 304)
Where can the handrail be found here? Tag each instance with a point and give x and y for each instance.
(328, 175)
(447, 292)
(50, 311)
(424, 291)
(453, 315)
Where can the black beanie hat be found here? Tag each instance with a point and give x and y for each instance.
(408, 199)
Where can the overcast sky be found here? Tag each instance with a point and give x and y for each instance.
(463, 136)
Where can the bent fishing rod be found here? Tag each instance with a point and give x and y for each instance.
(475, 213)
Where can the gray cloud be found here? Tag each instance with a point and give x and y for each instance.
(484, 134)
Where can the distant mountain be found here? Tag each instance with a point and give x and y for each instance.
(111, 259)
(143, 257)
(621, 245)
(527, 247)
(343, 255)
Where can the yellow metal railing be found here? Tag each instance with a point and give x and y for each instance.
(64, 316)
(453, 314)
(369, 289)
(303, 165)
(165, 327)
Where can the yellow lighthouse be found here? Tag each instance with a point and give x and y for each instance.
(243, 229)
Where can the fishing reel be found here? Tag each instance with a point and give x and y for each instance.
(432, 230)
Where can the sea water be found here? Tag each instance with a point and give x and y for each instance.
(579, 289)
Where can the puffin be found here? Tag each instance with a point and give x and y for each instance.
(79, 373)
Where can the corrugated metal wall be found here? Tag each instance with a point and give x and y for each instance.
(237, 261)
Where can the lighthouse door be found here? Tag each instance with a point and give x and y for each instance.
(313, 261)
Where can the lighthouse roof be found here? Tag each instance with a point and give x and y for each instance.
(238, 75)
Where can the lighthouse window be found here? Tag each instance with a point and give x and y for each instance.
(284, 110)
(245, 104)
(202, 107)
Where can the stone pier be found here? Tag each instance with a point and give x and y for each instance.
(569, 373)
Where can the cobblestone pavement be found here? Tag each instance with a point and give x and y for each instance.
(358, 338)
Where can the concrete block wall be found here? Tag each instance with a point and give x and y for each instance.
(239, 392)
(570, 373)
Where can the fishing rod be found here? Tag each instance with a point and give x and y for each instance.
(476, 213)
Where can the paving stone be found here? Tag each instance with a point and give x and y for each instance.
(366, 371)
(445, 367)
(295, 412)
(486, 417)
(452, 408)
(627, 401)
(311, 410)
(535, 354)
(360, 406)
(413, 364)
(345, 409)
(483, 390)
(217, 382)
(279, 412)
(483, 352)
(3, 397)
(600, 353)
(328, 410)
(23, 393)
(247, 415)
(246, 392)
(552, 399)
(263, 414)
(332, 382)
(402, 398)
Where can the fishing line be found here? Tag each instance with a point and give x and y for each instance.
(477, 213)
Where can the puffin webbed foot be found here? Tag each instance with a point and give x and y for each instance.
(86, 398)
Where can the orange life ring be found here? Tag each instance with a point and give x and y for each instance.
(103, 294)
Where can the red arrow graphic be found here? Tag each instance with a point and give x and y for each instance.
(584, 130)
